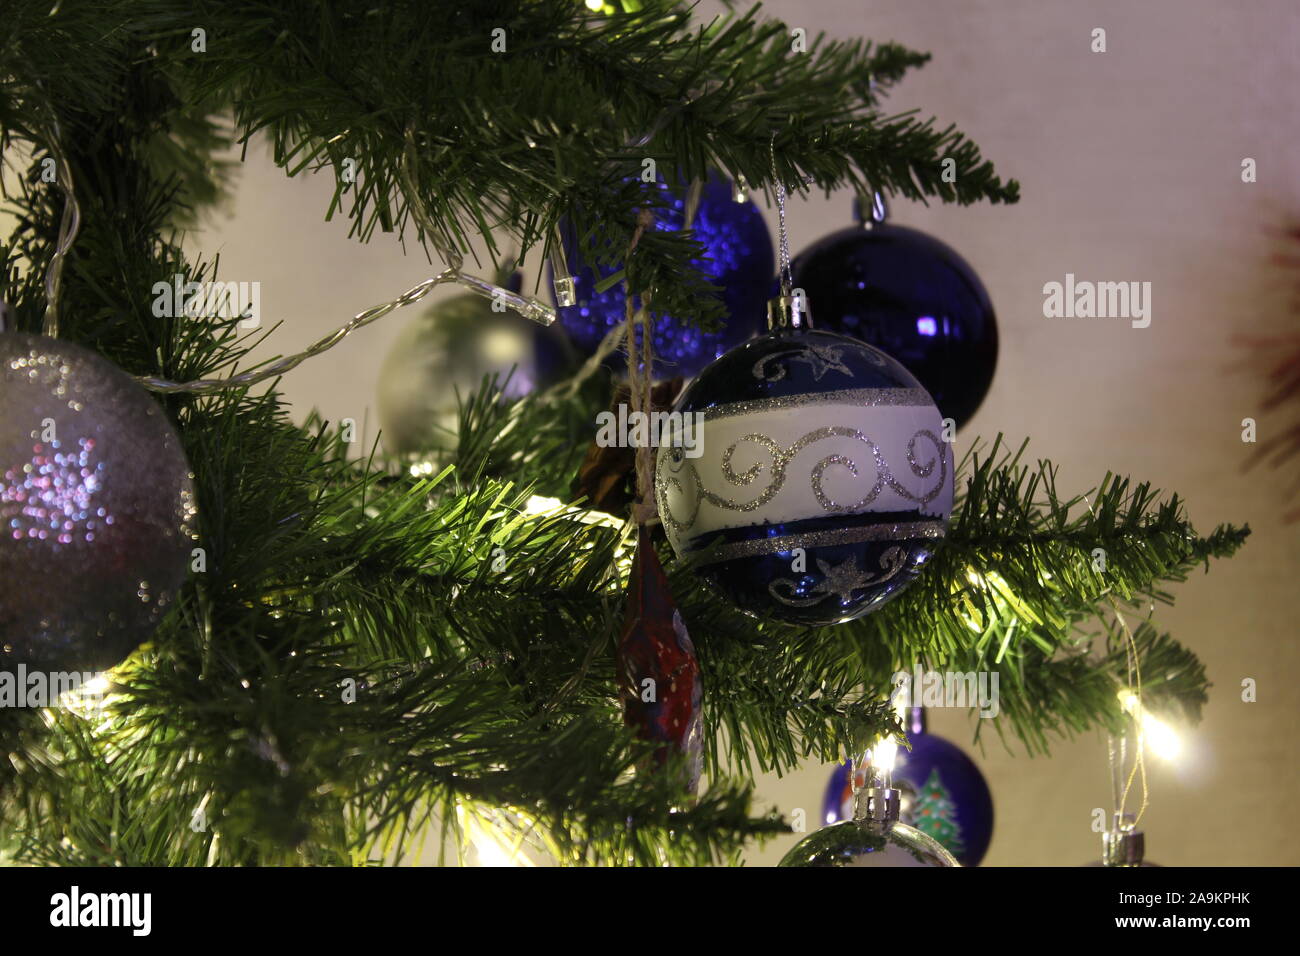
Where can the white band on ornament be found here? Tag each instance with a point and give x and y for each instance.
(809, 462)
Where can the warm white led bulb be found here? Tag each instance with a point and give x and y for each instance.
(884, 754)
(1160, 737)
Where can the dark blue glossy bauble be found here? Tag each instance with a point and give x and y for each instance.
(911, 296)
(821, 483)
(944, 795)
(739, 259)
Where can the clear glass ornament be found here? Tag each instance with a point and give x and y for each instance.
(874, 837)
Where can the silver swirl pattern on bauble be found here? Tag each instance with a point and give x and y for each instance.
(681, 472)
(842, 579)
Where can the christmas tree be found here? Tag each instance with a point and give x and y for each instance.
(364, 652)
(934, 813)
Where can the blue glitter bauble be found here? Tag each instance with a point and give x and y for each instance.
(914, 298)
(944, 794)
(739, 259)
(816, 481)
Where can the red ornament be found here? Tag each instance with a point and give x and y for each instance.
(660, 675)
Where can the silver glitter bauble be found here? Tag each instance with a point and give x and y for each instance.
(850, 843)
(97, 510)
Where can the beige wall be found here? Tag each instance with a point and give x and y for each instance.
(1130, 166)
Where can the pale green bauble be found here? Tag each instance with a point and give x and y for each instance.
(450, 347)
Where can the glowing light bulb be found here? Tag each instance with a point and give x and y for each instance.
(540, 505)
(884, 755)
(88, 699)
(95, 687)
(489, 847)
(1160, 737)
(492, 854)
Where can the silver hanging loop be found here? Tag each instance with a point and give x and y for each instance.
(789, 310)
(787, 282)
(69, 226)
(872, 210)
(879, 208)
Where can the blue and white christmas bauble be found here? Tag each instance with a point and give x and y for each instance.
(806, 477)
